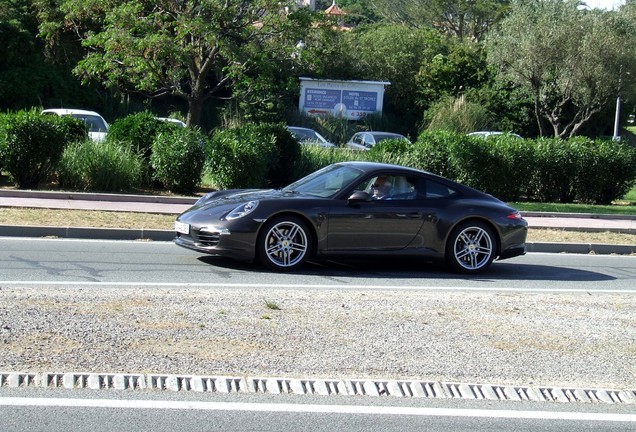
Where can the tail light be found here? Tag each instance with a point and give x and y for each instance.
(516, 215)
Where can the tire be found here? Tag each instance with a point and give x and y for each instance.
(471, 247)
(285, 243)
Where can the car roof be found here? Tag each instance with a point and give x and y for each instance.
(299, 128)
(68, 111)
(384, 134)
(373, 166)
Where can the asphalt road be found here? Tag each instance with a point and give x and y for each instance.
(58, 265)
(162, 263)
(84, 412)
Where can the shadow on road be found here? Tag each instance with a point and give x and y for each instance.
(416, 269)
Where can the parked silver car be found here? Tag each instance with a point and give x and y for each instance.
(366, 140)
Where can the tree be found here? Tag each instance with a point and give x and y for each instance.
(190, 49)
(571, 60)
(459, 18)
(394, 53)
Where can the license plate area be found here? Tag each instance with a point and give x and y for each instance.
(182, 228)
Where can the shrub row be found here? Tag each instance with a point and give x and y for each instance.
(138, 151)
(549, 170)
(141, 149)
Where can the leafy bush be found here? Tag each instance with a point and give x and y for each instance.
(433, 150)
(557, 165)
(607, 171)
(257, 155)
(178, 158)
(285, 152)
(105, 166)
(139, 131)
(33, 144)
(500, 165)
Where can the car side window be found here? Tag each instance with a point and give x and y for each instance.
(435, 190)
(389, 187)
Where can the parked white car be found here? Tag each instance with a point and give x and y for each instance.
(486, 134)
(366, 140)
(172, 120)
(97, 126)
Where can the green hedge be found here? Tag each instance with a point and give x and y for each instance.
(549, 170)
(31, 144)
(138, 131)
(178, 158)
(253, 156)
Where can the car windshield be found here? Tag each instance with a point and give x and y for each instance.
(307, 135)
(94, 123)
(326, 182)
(379, 138)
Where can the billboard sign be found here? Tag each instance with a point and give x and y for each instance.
(350, 99)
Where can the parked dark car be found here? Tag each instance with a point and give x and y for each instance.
(309, 136)
(333, 213)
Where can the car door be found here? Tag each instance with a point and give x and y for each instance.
(374, 225)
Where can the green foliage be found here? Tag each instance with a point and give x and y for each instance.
(138, 131)
(433, 150)
(608, 171)
(511, 168)
(458, 18)
(500, 165)
(315, 157)
(178, 158)
(571, 60)
(286, 151)
(33, 144)
(100, 166)
(510, 107)
(457, 67)
(458, 115)
(394, 53)
(253, 155)
(557, 165)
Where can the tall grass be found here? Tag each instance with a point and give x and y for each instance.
(105, 166)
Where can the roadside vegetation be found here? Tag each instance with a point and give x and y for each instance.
(491, 66)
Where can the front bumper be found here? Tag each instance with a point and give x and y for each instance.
(219, 241)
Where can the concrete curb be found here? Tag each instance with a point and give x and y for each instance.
(168, 235)
(407, 389)
(88, 196)
(86, 233)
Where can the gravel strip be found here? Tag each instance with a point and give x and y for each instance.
(577, 340)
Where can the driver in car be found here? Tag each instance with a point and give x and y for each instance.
(381, 188)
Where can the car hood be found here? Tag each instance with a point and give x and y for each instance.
(238, 196)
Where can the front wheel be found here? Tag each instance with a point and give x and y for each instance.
(284, 244)
(471, 247)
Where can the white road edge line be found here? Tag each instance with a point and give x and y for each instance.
(307, 408)
(427, 288)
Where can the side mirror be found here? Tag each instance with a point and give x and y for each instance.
(359, 196)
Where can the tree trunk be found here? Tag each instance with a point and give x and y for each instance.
(195, 109)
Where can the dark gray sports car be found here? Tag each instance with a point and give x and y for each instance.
(356, 209)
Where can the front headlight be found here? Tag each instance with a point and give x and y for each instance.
(242, 210)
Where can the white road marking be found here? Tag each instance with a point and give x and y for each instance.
(325, 409)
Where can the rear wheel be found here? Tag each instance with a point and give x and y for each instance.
(284, 244)
(471, 247)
